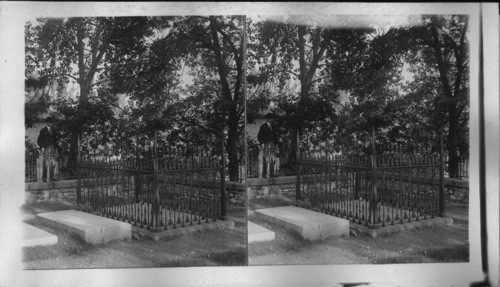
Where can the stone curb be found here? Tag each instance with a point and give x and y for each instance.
(27, 217)
(33, 236)
(310, 225)
(50, 184)
(258, 233)
(397, 228)
(180, 231)
(91, 228)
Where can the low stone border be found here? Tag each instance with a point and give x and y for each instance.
(291, 179)
(397, 228)
(171, 233)
(65, 190)
(50, 184)
(455, 190)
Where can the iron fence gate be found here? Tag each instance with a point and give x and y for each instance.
(393, 185)
(176, 190)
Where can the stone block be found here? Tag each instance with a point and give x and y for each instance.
(309, 224)
(33, 236)
(257, 233)
(29, 197)
(91, 228)
(265, 191)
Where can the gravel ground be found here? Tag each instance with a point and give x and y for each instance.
(428, 245)
(224, 247)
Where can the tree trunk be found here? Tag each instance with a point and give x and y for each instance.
(453, 117)
(232, 102)
(232, 143)
(452, 145)
(80, 35)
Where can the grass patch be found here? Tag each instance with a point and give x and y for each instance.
(235, 257)
(403, 259)
(67, 245)
(269, 201)
(426, 245)
(457, 253)
(284, 241)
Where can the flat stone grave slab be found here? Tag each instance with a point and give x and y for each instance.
(33, 236)
(257, 233)
(309, 224)
(91, 228)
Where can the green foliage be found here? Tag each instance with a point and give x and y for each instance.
(317, 115)
(413, 106)
(95, 120)
(34, 108)
(407, 82)
(303, 50)
(30, 148)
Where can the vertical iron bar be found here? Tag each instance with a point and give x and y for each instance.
(373, 196)
(338, 191)
(78, 173)
(223, 212)
(191, 188)
(441, 175)
(244, 76)
(156, 187)
(298, 195)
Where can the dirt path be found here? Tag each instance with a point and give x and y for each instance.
(321, 254)
(223, 247)
(428, 245)
(104, 258)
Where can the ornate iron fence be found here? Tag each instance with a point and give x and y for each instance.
(180, 188)
(463, 168)
(257, 162)
(30, 170)
(39, 167)
(394, 184)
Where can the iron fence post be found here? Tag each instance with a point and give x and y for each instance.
(357, 183)
(78, 173)
(244, 175)
(39, 167)
(156, 205)
(137, 174)
(223, 211)
(373, 197)
(298, 195)
(441, 175)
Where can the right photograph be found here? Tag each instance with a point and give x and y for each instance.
(358, 139)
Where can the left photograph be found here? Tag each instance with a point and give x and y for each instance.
(134, 145)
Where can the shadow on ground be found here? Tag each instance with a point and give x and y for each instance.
(223, 247)
(427, 245)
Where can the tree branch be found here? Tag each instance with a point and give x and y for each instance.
(460, 67)
(218, 59)
(97, 83)
(68, 75)
(295, 74)
(316, 58)
(185, 119)
(437, 52)
(95, 42)
(81, 64)
(231, 44)
(319, 79)
(106, 101)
